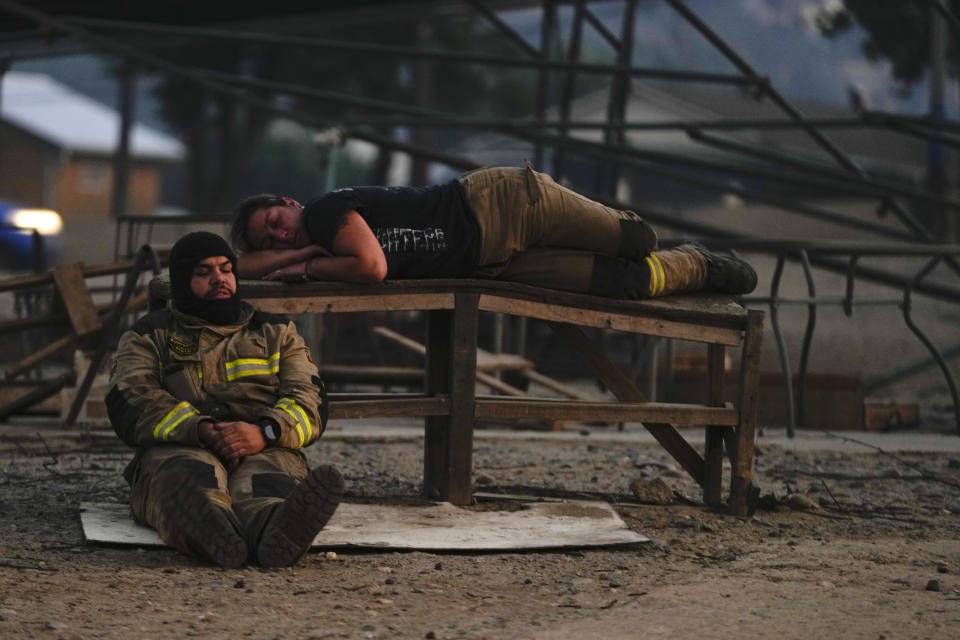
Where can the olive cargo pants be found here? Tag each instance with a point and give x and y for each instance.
(251, 492)
(538, 232)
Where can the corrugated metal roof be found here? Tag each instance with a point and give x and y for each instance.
(55, 113)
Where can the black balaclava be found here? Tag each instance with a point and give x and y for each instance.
(186, 253)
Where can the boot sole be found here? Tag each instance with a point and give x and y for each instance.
(300, 517)
(204, 529)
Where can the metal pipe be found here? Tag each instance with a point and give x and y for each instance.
(388, 51)
(947, 15)
(870, 186)
(471, 122)
(885, 118)
(601, 151)
(807, 340)
(4, 67)
(617, 98)
(543, 75)
(638, 159)
(919, 132)
(567, 89)
(504, 28)
(832, 247)
(199, 78)
(907, 316)
(848, 296)
(781, 345)
(876, 383)
(764, 87)
(601, 28)
(121, 160)
(839, 301)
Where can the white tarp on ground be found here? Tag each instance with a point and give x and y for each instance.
(438, 527)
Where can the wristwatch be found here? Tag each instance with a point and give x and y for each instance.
(270, 431)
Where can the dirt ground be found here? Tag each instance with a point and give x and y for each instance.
(850, 544)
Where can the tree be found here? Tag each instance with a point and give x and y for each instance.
(897, 30)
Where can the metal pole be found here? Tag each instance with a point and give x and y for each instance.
(936, 178)
(510, 61)
(121, 159)
(618, 98)
(547, 34)
(841, 158)
(567, 90)
(907, 307)
(782, 346)
(4, 67)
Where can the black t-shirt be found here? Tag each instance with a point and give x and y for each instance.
(427, 232)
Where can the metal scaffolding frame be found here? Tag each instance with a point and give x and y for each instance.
(135, 42)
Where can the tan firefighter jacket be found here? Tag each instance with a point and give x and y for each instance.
(173, 370)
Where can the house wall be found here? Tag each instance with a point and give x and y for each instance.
(28, 169)
(34, 173)
(85, 188)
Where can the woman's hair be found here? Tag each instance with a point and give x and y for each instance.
(242, 213)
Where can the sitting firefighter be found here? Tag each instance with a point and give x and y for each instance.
(219, 400)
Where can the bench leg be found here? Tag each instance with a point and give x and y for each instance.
(625, 391)
(451, 369)
(741, 484)
(713, 446)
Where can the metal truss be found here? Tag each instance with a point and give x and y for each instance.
(614, 157)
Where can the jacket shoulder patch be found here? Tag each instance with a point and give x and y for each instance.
(180, 346)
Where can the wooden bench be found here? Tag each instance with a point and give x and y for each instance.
(450, 405)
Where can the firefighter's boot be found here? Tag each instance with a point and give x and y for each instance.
(296, 521)
(691, 267)
(200, 522)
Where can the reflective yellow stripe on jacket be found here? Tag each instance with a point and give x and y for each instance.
(657, 278)
(170, 421)
(297, 413)
(244, 367)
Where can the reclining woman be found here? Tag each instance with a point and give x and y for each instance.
(505, 223)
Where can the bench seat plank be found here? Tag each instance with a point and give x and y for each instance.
(313, 296)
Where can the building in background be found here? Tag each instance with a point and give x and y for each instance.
(57, 148)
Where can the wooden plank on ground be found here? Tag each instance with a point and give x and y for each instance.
(19, 324)
(42, 391)
(41, 279)
(76, 298)
(42, 355)
(486, 361)
(555, 385)
(414, 346)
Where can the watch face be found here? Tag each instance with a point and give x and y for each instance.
(269, 433)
